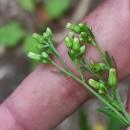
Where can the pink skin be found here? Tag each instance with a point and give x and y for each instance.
(44, 99)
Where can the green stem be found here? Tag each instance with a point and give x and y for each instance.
(55, 52)
(113, 102)
(80, 72)
(122, 105)
(95, 93)
(60, 68)
(60, 58)
(100, 52)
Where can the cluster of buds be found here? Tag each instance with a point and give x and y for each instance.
(43, 43)
(100, 86)
(76, 48)
(44, 57)
(85, 32)
(98, 67)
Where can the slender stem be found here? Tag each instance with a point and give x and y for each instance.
(60, 58)
(50, 44)
(122, 105)
(100, 52)
(113, 102)
(60, 68)
(80, 72)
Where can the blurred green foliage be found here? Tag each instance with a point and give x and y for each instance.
(113, 124)
(28, 5)
(29, 46)
(83, 121)
(55, 8)
(11, 33)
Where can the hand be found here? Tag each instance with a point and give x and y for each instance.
(44, 99)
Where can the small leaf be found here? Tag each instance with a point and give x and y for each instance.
(115, 65)
(111, 115)
(108, 59)
(114, 62)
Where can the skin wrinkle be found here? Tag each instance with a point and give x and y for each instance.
(12, 123)
(36, 111)
(14, 117)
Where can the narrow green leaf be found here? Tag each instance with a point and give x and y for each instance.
(108, 59)
(114, 62)
(112, 115)
(58, 72)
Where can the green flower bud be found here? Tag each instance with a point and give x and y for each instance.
(102, 88)
(72, 56)
(45, 55)
(82, 49)
(84, 27)
(101, 92)
(71, 36)
(87, 39)
(103, 66)
(36, 36)
(94, 83)
(46, 36)
(94, 66)
(71, 52)
(68, 42)
(74, 28)
(41, 40)
(34, 56)
(76, 44)
(39, 46)
(45, 61)
(84, 34)
(112, 78)
(83, 39)
(48, 31)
